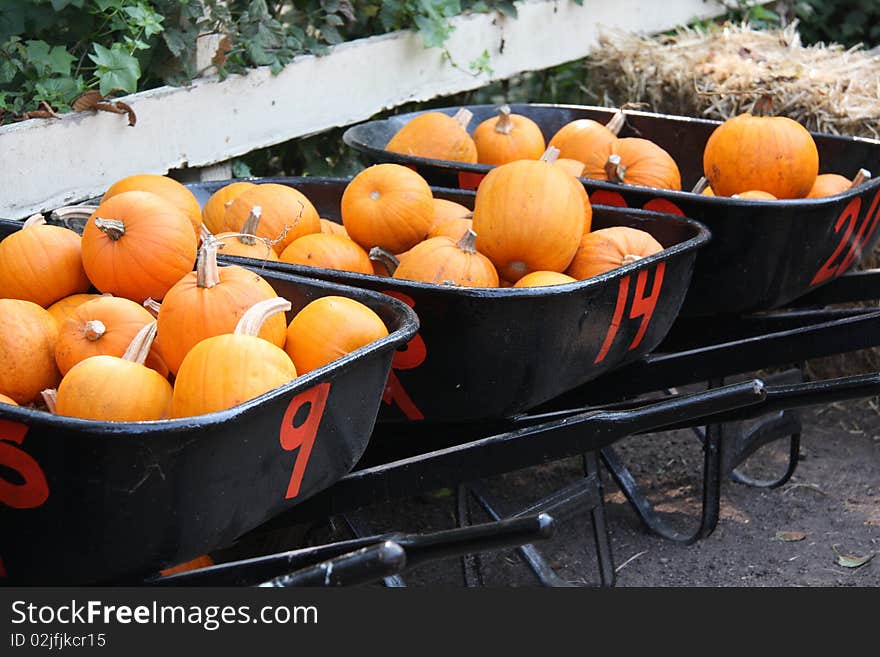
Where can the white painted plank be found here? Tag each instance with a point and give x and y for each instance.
(48, 163)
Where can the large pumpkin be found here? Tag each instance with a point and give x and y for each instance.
(210, 301)
(27, 350)
(447, 261)
(328, 251)
(529, 215)
(609, 248)
(578, 139)
(508, 137)
(168, 188)
(41, 263)
(633, 161)
(214, 210)
(771, 153)
(286, 214)
(387, 205)
(437, 136)
(137, 245)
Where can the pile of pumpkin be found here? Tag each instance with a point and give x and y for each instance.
(218, 332)
(750, 157)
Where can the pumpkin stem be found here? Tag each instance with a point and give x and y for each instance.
(468, 242)
(615, 169)
(152, 305)
(630, 258)
(615, 123)
(204, 233)
(50, 396)
(504, 124)
(550, 155)
(249, 229)
(386, 258)
(701, 185)
(139, 347)
(252, 320)
(207, 272)
(111, 227)
(763, 106)
(34, 220)
(463, 117)
(862, 176)
(74, 217)
(94, 330)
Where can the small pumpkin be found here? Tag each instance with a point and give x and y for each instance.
(329, 328)
(116, 389)
(445, 261)
(328, 251)
(755, 195)
(436, 136)
(387, 205)
(333, 228)
(286, 214)
(529, 215)
(27, 350)
(829, 184)
(62, 309)
(103, 326)
(7, 400)
(508, 137)
(41, 263)
(214, 210)
(444, 210)
(609, 248)
(571, 167)
(137, 245)
(544, 278)
(578, 139)
(246, 244)
(226, 370)
(454, 228)
(172, 191)
(634, 161)
(771, 153)
(210, 301)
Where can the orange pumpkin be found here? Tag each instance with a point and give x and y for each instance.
(246, 244)
(634, 161)
(578, 139)
(529, 215)
(755, 195)
(116, 389)
(210, 301)
(608, 248)
(829, 184)
(388, 205)
(436, 136)
(454, 228)
(328, 251)
(571, 167)
(168, 188)
(286, 214)
(508, 137)
(445, 261)
(543, 278)
(7, 400)
(445, 210)
(41, 263)
(333, 228)
(61, 309)
(772, 153)
(137, 245)
(214, 210)
(226, 370)
(103, 326)
(27, 350)
(329, 328)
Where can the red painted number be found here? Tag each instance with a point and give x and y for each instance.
(845, 225)
(468, 180)
(411, 357)
(302, 436)
(643, 305)
(34, 489)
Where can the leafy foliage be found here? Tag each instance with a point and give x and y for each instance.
(849, 22)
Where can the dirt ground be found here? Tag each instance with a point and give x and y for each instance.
(799, 534)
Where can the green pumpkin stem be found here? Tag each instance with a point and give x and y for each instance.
(253, 319)
(139, 347)
(207, 271)
(504, 124)
(468, 242)
(615, 169)
(387, 258)
(111, 227)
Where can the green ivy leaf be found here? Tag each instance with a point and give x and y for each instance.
(146, 18)
(104, 5)
(434, 31)
(60, 60)
(241, 170)
(117, 69)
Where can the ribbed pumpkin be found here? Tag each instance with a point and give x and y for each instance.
(609, 248)
(103, 326)
(454, 228)
(227, 370)
(137, 245)
(333, 228)
(571, 167)
(168, 188)
(578, 139)
(41, 263)
(445, 261)
(543, 278)
(7, 400)
(387, 205)
(436, 136)
(62, 309)
(214, 210)
(829, 184)
(210, 301)
(116, 389)
(329, 328)
(286, 214)
(771, 153)
(633, 161)
(328, 251)
(508, 137)
(246, 244)
(445, 210)
(27, 350)
(529, 215)
(755, 195)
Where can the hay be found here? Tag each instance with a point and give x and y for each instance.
(721, 71)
